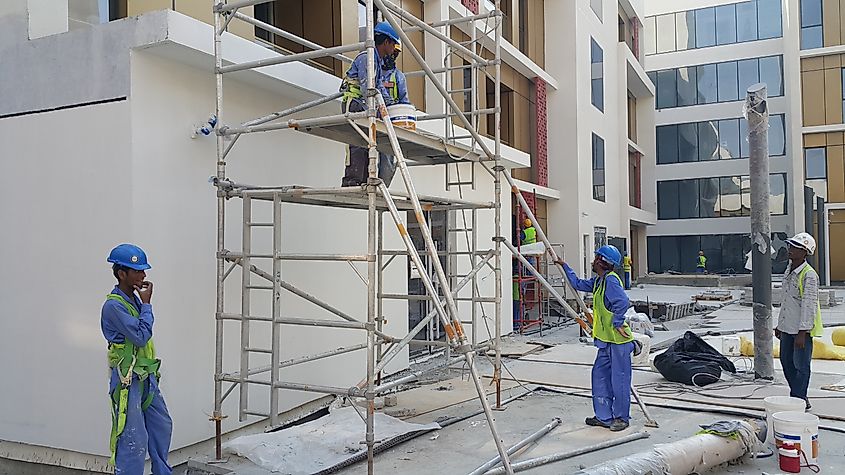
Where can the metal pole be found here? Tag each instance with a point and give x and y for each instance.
(497, 179)
(217, 415)
(757, 114)
(821, 240)
(246, 285)
(536, 462)
(380, 289)
(290, 58)
(372, 183)
(275, 350)
(287, 35)
(809, 202)
(519, 445)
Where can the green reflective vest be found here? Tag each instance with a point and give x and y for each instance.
(818, 328)
(603, 318)
(129, 360)
(530, 235)
(702, 262)
(394, 89)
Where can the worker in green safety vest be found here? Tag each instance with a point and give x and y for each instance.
(701, 263)
(354, 86)
(141, 423)
(800, 318)
(395, 81)
(612, 372)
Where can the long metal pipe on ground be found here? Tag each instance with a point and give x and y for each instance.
(696, 454)
(518, 446)
(536, 462)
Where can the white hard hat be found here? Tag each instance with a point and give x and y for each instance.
(804, 241)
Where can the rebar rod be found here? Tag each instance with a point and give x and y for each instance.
(290, 58)
(518, 446)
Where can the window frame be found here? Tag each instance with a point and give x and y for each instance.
(599, 190)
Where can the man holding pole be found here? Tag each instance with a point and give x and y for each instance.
(612, 373)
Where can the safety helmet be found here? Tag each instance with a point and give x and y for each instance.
(384, 28)
(129, 255)
(803, 241)
(610, 254)
(527, 223)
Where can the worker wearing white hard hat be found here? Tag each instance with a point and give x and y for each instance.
(800, 318)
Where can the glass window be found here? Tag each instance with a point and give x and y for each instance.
(743, 138)
(596, 6)
(667, 200)
(598, 168)
(666, 33)
(811, 24)
(708, 197)
(597, 74)
(771, 73)
(689, 247)
(687, 142)
(777, 194)
(707, 91)
(812, 37)
(748, 74)
(670, 253)
(687, 87)
(777, 136)
(746, 21)
(725, 24)
(688, 198)
(843, 94)
(729, 138)
(815, 163)
(708, 140)
(733, 257)
(728, 85)
(653, 243)
(667, 144)
(685, 30)
(745, 186)
(730, 197)
(667, 90)
(705, 27)
(649, 35)
(769, 21)
(711, 244)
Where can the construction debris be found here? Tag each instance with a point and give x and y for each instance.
(714, 295)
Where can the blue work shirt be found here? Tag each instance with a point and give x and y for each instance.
(358, 71)
(118, 324)
(401, 85)
(615, 298)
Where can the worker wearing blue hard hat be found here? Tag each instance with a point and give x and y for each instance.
(141, 423)
(611, 375)
(354, 83)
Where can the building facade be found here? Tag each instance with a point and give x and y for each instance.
(702, 56)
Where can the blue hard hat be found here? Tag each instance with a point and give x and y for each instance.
(610, 254)
(384, 28)
(129, 255)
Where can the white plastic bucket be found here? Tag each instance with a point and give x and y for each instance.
(799, 429)
(730, 346)
(775, 404)
(403, 115)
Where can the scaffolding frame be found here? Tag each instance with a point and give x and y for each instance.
(366, 129)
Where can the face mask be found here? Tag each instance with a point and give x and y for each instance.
(389, 63)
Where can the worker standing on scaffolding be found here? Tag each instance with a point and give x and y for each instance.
(353, 87)
(612, 373)
(396, 83)
(140, 420)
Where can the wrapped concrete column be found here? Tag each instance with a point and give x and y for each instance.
(695, 454)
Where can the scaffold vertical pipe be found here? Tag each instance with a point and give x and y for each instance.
(380, 289)
(275, 353)
(246, 293)
(497, 123)
(372, 184)
(473, 260)
(217, 415)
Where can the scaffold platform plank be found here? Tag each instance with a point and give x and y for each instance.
(352, 197)
(419, 147)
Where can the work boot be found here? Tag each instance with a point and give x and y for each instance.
(808, 404)
(618, 424)
(595, 422)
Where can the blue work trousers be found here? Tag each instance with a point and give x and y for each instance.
(796, 364)
(145, 430)
(627, 280)
(612, 382)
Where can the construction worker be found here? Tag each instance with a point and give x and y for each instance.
(396, 83)
(140, 420)
(529, 232)
(701, 263)
(800, 318)
(353, 87)
(626, 269)
(611, 375)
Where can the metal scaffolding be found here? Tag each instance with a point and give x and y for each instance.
(372, 129)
